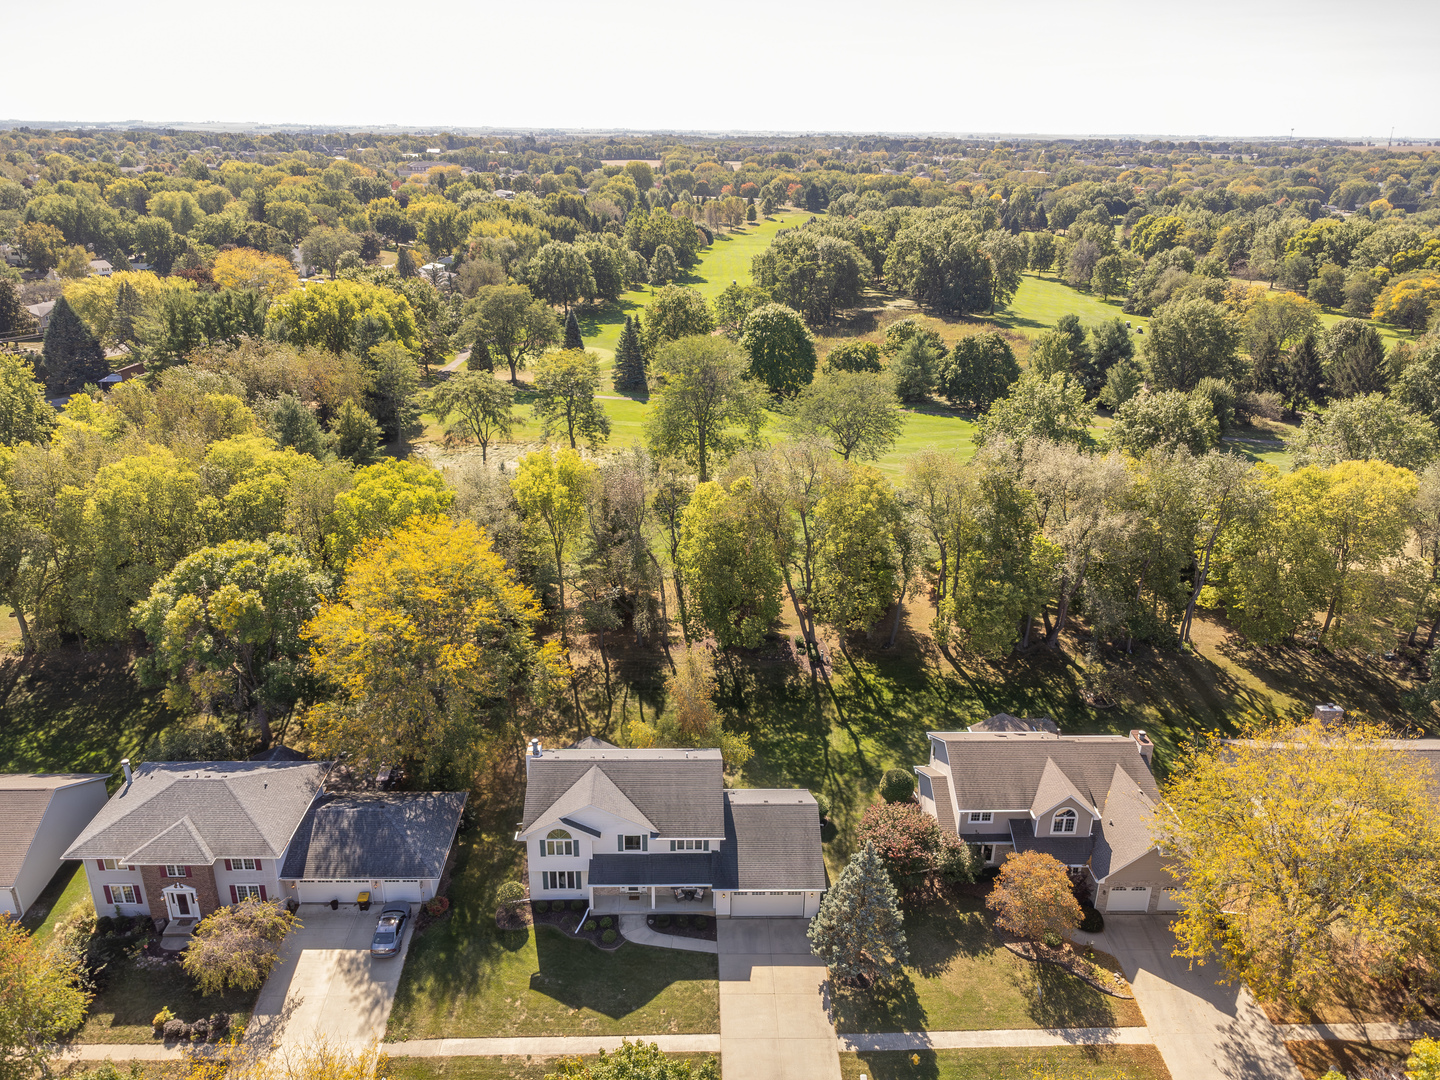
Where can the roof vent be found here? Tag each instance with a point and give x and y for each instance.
(125, 768)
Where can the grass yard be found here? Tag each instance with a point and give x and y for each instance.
(122, 1011)
(1315, 1059)
(961, 978)
(490, 1068)
(464, 977)
(1041, 300)
(75, 711)
(67, 888)
(1071, 1062)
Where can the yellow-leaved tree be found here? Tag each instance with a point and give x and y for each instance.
(242, 268)
(690, 718)
(430, 650)
(1310, 856)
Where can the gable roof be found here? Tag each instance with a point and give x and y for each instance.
(24, 798)
(375, 834)
(677, 793)
(1004, 770)
(1124, 835)
(772, 841)
(940, 785)
(596, 789)
(1055, 788)
(181, 810)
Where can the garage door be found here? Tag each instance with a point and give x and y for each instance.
(322, 892)
(1169, 899)
(1132, 899)
(397, 890)
(766, 904)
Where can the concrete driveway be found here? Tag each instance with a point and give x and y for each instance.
(1204, 1031)
(773, 1021)
(327, 982)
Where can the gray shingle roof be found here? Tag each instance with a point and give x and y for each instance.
(1070, 850)
(24, 798)
(995, 771)
(940, 785)
(1054, 788)
(677, 791)
(596, 789)
(378, 834)
(228, 808)
(656, 868)
(1124, 831)
(772, 841)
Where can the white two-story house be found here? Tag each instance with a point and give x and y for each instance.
(628, 830)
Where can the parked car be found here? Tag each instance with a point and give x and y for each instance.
(388, 931)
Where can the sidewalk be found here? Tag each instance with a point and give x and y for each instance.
(970, 1040)
(633, 928)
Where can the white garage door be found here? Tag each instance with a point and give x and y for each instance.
(1169, 899)
(397, 890)
(1131, 899)
(766, 904)
(322, 892)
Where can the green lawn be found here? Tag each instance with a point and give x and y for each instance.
(961, 978)
(122, 1010)
(1071, 1062)
(1042, 299)
(66, 889)
(490, 1068)
(463, 977)
(74, 710)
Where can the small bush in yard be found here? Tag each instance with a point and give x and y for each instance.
(1091, 921)
(606, 923)
(608, 937)
(163, 1017)
(897, 785)
(701, 922)
(199, 1030)
(1051, 939)
(590, 925)
(662, 921)
(540, 906)
(219, 1025)
(105, 925)
(578, 905)
(510, 893)
(682, 920)
(177, 1029)
(438, 906)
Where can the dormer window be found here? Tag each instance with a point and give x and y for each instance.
(634, 843)
(559, 842)
(1064, 822)
(982, 815)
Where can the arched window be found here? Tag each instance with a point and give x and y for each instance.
(558, 842)
(1064, 822)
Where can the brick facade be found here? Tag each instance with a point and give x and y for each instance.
(201, 879)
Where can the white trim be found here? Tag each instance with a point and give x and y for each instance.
(1069, 817)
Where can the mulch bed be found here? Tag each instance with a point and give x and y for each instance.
(516, 917)
(1093, 972)
(707, 934)
(569, 920)
(424, 920)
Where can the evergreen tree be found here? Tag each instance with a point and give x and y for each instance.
(630, 358)
(128, 312)
(405, 264)
(859, 932)
(1304, 374)
(573, 340)
(73, 356)
(13, 316)
(479, 358)
(292, 424)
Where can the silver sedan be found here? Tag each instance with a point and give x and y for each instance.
(388, 931)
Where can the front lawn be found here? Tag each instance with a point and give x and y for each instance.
(67, 888)
(466, 978)
(961, 978)
(121, 1012)
(491, 1068)
(1315, 1059)
(1071, 1062)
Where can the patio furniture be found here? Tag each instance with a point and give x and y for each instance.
(699, 894)
(679, 893)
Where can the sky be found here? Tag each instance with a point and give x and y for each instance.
(1223, 68)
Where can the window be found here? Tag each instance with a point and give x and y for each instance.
(634, 843)
(1064, 822)
(987, 853)
(114, 864)
(561, 879)
(558, 842)
(982, 815)
(689, 845)
(175, 871)
(124, 894)
(243, 864)
(243, 892)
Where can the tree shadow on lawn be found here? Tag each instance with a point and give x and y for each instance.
(1057, 999)
(611, 313)
(894, 1006)
(940, 935)
(614, 984)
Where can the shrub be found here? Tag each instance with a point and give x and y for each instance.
(510, 893)
(219, 1025)
(1051, 939)
(578, 905)
(105, 925)
(123, 923)
(438, 906)
(897, 785)
(608, 937)
(682, 920)
(176, 1029)
(1091, 921)
(199, 1030)
(606, 923)
(662, 921)
(540, 907)
(163, 1017)
(590, 924)
(822, 804)
(701, 922)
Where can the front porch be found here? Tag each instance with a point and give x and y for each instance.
(643, 899)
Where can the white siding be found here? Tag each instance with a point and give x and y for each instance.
(71, 809)
(98, 879)
(267, 876)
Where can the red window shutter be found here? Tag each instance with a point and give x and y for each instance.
(227, 864)
(107, 895)
(262, 890)
(234, 896)
(187, 871)
(257, 865)
(139, 896)
(100, 864)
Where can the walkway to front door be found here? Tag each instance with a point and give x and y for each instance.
(773, 1023)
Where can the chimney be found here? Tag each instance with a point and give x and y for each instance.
(1329, 714)
(534, 751)
(125, 767)
(1147, 748)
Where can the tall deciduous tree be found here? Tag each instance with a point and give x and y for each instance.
(44, 1000)
(551, 490)
(706, 407)
(1053, 409)
(1189, 340)
(781, 350)
(1033, 895)
(25, 416)
(483, 407)
(430, 645)
(565, 387)
(560, 275)
(675, 312)
(979, 370)
(690, 717)
(857, 412)
(728, 565)
(511, 323)
(859, 931)
(236, 947)
(1310, 856)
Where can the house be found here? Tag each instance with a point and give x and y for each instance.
(41, 313)
(639, 830)
(101, 267)
(1084, 799)
(43, 814)
(180, 839)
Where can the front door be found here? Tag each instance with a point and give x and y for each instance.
(180, 902)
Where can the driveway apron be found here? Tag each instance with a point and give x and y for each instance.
(773, 1020)
(1203, 1030)
(328, 984)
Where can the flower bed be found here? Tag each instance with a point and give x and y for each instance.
(601, 931)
